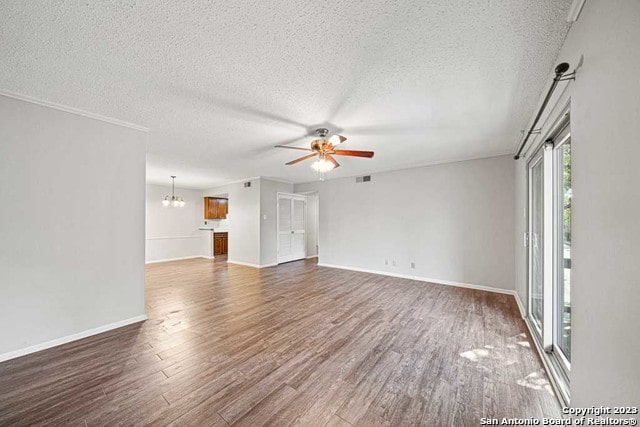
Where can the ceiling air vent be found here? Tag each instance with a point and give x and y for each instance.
(365, 178)
(247, 184)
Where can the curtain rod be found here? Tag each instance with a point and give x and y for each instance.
(560, 71)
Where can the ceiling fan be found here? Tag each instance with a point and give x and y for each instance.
(325, 148)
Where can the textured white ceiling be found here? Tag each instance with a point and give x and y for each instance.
(220, 82)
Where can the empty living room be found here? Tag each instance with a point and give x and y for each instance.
(319, 213)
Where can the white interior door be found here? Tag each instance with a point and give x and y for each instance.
(291, 227)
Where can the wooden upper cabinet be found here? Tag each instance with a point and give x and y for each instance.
(215, 208)
(223, 207)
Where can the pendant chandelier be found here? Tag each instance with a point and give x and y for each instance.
(173, 200)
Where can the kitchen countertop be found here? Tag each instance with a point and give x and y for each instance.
(215, 230)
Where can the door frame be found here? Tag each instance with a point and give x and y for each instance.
(292, 196)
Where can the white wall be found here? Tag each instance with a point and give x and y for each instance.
(311, 224)
(269, 190)
(455, 221)
(605, 124)
(243, 220)
(72, 227)
(173, 233)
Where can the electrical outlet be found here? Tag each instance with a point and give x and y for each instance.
(413, 265)
(394, 263)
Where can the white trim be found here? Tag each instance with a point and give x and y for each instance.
(176, 237)
(277, 180)
(237, 181)
(311, 256)
(543, 355)
(176, 259)
(423, 279)
(69, 338)
(207, 190)
(248, 264)
(521, 309)
(73, 110)
(574, 10)
(418, 165)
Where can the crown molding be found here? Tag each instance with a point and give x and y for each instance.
(418, 166)
(73, 110)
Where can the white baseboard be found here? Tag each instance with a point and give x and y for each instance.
(247, 264)
(523, 312)
(540, 350)
(562, 399)
(423, 279)
(268, 265)
(176, 259)
(69, 338)
(312, 256)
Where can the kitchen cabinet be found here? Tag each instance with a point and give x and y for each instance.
(216, 208)
(220, 243)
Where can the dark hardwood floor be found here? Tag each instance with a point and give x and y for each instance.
(293, 344)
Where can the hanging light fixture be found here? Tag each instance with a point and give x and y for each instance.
(322, 165)
(173, 200)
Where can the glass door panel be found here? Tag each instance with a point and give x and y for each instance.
(536, 241)
(563, 248)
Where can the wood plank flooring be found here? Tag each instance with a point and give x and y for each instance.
(295, 344)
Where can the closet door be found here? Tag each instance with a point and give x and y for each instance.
(298, 242)
(285, 241)
(291, 227)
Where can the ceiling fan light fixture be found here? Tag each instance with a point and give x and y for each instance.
(322, 165)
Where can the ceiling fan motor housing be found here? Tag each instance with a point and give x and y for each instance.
(322, 132)
(317, 144)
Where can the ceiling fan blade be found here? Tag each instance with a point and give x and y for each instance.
(308, 156)
(332, 160)
(354, 153)
(293, 148)
(337, 139)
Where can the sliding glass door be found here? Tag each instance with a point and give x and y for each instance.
(536, 240)
(549, 248)
(562, 238)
